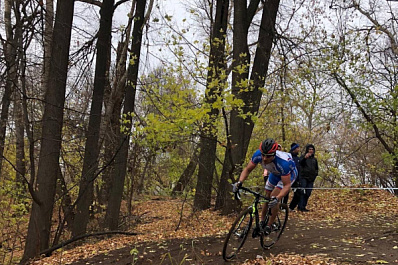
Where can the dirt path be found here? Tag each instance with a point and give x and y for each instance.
(363, 242)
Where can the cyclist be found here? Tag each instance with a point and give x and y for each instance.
(281, 171)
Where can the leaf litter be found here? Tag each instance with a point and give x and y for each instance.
(163, 218)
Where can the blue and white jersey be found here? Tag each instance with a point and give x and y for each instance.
(282, 164)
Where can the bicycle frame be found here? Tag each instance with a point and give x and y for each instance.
(258, 198)
(242, 226)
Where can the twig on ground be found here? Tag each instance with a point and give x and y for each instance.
(48, 252)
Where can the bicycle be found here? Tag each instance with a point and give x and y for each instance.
(241, 227)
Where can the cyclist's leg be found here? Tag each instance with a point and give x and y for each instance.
(270, 185)
(274, 211)
(276, 184)
(265, 205)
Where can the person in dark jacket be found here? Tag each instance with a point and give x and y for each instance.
(295, 150)
(308, 173)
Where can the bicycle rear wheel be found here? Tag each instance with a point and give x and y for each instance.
(277, 228)
(237, 234)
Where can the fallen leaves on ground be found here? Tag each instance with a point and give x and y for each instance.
(292, 260)
(350, 205)
(157, 220)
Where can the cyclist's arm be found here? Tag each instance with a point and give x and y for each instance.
(245, 173)
(286, 187)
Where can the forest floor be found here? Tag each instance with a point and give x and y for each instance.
(343, 227)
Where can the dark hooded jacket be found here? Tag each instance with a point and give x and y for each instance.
(296, 160)
(308, 166)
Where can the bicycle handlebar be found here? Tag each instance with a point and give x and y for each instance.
(256, 194)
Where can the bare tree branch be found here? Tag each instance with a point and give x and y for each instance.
(391, 36)
(48, 252)
(368, 118)
(93, 2)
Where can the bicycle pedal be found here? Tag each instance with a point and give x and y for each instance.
(265, 231)
(275, 227)
(255, 233)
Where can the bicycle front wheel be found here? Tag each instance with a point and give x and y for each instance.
(237, 234)
(277, 228)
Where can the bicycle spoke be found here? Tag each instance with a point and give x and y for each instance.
(267, 241)
(237, 235)
(241, 227)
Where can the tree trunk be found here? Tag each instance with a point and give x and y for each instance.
(113, 112)
(112, 214)
(134, 171)
(39, 227)
(10, 52)
(241, 128)
(241, 58)
(141, 180)
(90, 163)
(283, 95)
(395, 175)
(20, 143)
(47, 44)
(208, 138)
(29, 130)
(18, 113)
(67, 207)
(186, 176)
(47, 40)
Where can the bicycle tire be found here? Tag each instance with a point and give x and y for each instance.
(237, 234)
(268, 241)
